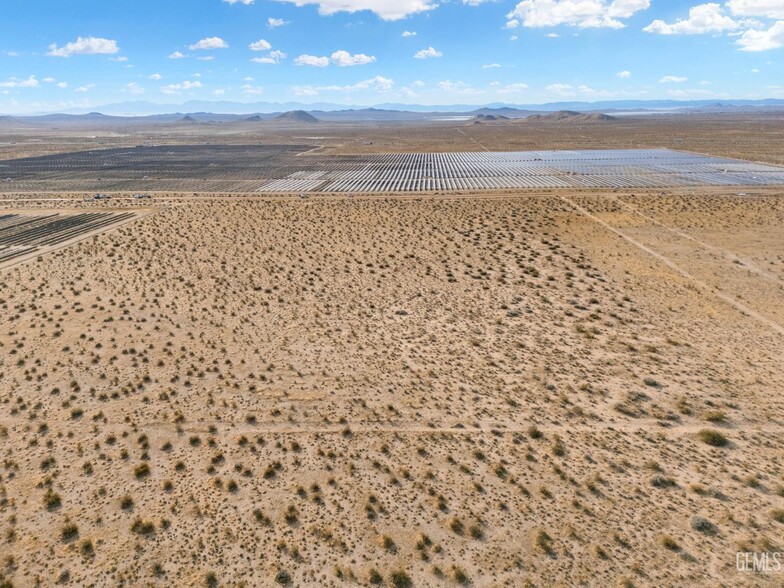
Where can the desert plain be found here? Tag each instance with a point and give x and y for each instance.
(524, 388)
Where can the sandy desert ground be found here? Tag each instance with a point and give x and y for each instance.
(532, 389)
(754, 137)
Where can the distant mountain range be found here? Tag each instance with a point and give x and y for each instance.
(223, 111)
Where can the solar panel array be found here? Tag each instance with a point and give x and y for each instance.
(290, 168)
(22, 234)
(420, 172)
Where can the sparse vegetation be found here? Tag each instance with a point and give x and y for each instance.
(222, 386)
(713, 438)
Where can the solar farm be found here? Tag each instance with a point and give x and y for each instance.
(291, 169)
(24, 234)
(425, 172)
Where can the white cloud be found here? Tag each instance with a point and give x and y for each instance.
(209, 43)
(62, 84)
(460, 88)
(513, 88)
(589, 92)
(691, 93)
(763, 40)
(764, 8)
(245, 2)
(378, 84)
(30, 82)
(705, 18)
(85, 46)
(177, 88)
(155, 76)
(273, 57)
(344, 58)
(418, 84)
(561, 89)
(48, 80)
(85, 88)
(427, 53)
(385, 9)
(133, 88)
(624, 75)
(312, 60)
(579, 13)
(304, 91)
(252, 90)
(218, 92)
(712, 18)
(673, 80)
(512, 24)
(176, 55)
(260, 45)
(276, 22)
(491, 65)
(409, 34)
(11, 53)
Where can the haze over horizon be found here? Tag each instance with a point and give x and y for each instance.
(368, 52)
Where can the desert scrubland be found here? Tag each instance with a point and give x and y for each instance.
(522, 389)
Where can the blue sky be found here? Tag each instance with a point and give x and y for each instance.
(81, 53)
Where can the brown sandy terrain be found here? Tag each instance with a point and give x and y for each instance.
(744, 136)
(548, 389)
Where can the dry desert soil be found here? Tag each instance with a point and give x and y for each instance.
(520, 389)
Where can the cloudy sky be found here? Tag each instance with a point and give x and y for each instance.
(82, 53)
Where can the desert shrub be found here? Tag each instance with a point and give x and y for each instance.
(69, 532)
(662, 482)
(87, 548)
(459, 575)
(703, 525)
(715, 416)
(141, 527)
(457, 526)
(141, 471)
(713, 438)
(669, 543)
(52, 500)
(544, 541)
(399, 579)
